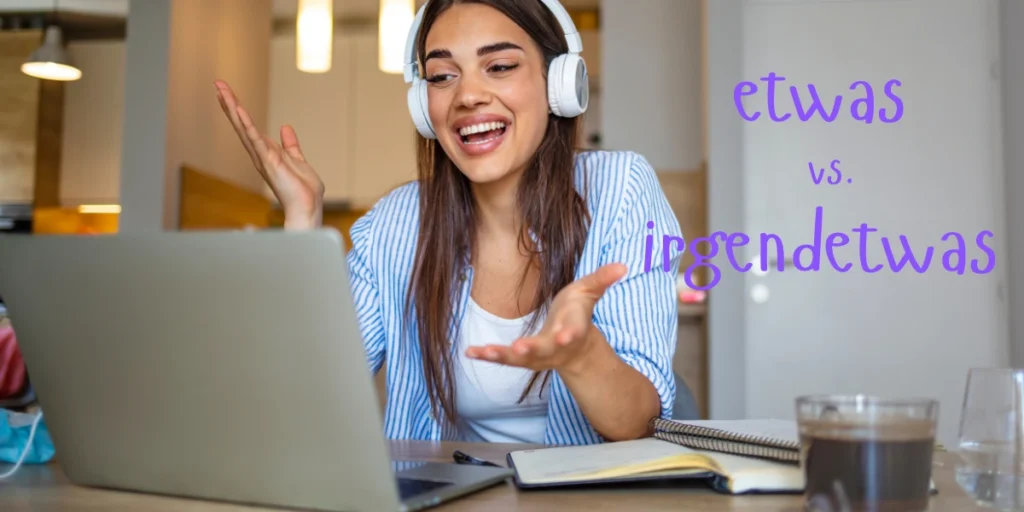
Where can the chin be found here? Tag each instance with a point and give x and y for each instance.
(481, 172)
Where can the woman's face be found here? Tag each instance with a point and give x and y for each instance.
(487, 91)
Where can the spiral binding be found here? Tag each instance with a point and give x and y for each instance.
(712, 439)
(731, 447)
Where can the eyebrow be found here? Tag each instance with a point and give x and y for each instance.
(480, 52)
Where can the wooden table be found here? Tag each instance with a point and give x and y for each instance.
(45, 489)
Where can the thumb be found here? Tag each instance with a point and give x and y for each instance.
(601, 279)
(290, 141)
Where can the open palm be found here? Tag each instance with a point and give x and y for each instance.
(283, 166)
(568, 332)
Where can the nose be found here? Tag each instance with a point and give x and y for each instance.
(472, 91)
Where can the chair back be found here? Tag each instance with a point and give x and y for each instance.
(685, 406)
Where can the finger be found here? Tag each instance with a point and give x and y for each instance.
(229, 94)
(230, 107)
(295, 158)
(290, 142)
(260, 143)
(601, 279)
(496, 354)
(240, 132)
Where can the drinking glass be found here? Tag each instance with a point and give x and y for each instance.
(989, 468)
(863, 453)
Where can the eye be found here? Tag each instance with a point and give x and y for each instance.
(440, 77)
(500, 68)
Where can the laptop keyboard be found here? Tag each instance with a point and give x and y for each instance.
(409, 487)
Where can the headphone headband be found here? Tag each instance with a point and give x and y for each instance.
(572, 36)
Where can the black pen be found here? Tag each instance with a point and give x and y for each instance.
(462, 458)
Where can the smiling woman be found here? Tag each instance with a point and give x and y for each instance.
(523, 311)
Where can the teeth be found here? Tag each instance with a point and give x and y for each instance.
(481, 127)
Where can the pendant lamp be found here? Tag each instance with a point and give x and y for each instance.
(50, 61)
(314, 36)
(395, 18)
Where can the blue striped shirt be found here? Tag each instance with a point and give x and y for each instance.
(637, 315)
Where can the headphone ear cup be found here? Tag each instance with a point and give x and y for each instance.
(568, 86)
(418, 109)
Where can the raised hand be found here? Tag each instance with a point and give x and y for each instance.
(568, 337)
(283, 166)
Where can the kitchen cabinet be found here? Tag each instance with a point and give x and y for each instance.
(318, 106)
(352, 121)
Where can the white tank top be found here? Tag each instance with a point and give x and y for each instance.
(486, 392)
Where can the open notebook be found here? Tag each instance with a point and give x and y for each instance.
(732, 456)
(651, 459)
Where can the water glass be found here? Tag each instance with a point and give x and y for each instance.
(989, 468)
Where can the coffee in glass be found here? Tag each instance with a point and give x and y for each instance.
(868, 454)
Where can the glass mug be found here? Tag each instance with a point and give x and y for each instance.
(862, 453)
(991, 439)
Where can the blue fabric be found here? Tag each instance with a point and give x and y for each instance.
(638, 315)
(14, 433)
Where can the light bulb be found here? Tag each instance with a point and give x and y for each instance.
(99, 208)
(51, 71)
(50, 61)
(395, 18)
(314, 29)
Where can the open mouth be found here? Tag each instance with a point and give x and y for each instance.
(482, 133)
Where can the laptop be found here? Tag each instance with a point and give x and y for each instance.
(223, 366)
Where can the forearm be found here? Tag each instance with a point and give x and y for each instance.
(618, 400)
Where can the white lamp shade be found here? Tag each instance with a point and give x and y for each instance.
(50, 61)
(314, 28)
(395, 18)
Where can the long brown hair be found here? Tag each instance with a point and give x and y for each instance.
(548, 203)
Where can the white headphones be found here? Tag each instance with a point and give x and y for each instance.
(568, 84)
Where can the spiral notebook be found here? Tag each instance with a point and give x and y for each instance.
(776, 440)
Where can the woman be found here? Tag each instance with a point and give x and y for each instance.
(505, 288)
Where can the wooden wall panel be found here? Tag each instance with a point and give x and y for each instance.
(209, 202)
(19, 111)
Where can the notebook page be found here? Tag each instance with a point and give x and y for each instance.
(783, 430)
(750, 474)
(552, 464)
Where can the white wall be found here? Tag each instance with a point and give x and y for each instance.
(955, 322)
(727, 360)
(1013, 112)
(143, 192)
(651, 84)
(93, 109)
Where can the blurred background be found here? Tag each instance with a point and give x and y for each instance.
(122, 131)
